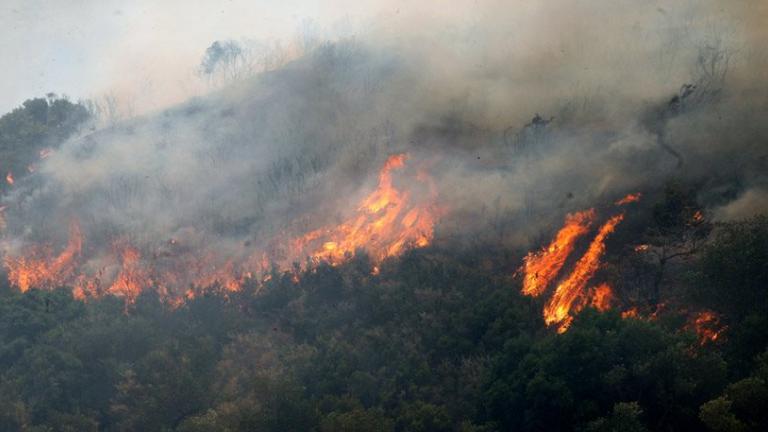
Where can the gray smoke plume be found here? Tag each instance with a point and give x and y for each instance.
(518, 116)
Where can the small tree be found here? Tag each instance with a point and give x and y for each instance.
(677, 232)
(226, 60)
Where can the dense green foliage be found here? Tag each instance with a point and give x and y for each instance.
(38, 124)
(440, 340)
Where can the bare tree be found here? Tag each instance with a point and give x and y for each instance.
(225, 61)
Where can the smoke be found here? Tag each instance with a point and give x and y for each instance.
(750, 203)
(519, 112)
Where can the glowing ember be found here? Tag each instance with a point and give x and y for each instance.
(557, 310)
(9, 178)
(707, 326)
(635, 197)
(630, 313)
(541, 267)
(642, 248)
(602, 297)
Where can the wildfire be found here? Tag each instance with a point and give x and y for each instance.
(707, 326)
(635, 197)
(132, 277)
(557, 310)
(541, 267)
(39, 267)
(571, 295)
(630, 313)
(602, 297)
(698, 217)
(385, 223)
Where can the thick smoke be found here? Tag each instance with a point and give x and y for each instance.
(519, 114)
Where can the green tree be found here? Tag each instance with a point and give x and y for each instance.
(625, 417)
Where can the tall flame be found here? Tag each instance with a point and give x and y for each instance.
(385, 223)
(571, 289)
(39, 267)
(540, 268)
(571, 295)
(133, 277)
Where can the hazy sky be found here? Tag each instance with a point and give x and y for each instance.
(85, 47)
(146, 52)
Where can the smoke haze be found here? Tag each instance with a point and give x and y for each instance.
(518, 111)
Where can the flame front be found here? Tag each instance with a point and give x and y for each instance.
(540, 268)
(385, 223)
(570, 296)
(133, 277)
(39, 267)
(557, 310)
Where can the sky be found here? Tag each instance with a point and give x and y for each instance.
(86, 48)
(147, 52)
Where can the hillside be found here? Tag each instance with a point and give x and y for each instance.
(471, 230)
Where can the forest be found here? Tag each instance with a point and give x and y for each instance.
(437, 339)
(401, 217)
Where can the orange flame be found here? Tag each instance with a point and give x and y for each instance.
(630, 313)
(707, 326)
(132, 277)
(602, 297)
(9, 178)
(541, 267)
(387, 222)
(635, 197)
(557, 310)
(39, 268)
